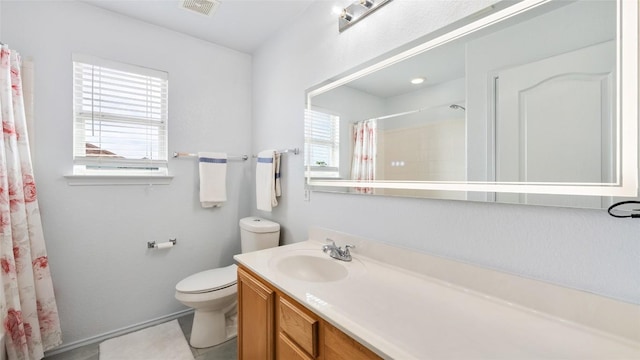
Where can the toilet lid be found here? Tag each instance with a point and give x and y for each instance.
(209, 280)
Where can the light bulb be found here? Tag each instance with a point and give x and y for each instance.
(346, 15)
(366, 3)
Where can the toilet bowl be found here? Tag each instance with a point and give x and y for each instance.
(213, 293)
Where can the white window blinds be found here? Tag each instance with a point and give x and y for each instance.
(322, 143)
(120, 118)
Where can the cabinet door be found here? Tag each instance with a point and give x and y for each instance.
(339, 346)
(255, 318)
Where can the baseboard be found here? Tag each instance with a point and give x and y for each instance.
(115, 333)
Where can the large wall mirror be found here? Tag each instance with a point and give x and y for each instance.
(531, 102)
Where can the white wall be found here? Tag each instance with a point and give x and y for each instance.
(582, 249)
(440, 96)
(104, 277)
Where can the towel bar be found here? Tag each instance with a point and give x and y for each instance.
(230, 157)
(295, 151)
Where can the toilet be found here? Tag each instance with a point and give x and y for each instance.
(213, 293)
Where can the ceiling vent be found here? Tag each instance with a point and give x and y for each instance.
(204, 7)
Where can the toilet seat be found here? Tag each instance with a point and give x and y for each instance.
(209, 280)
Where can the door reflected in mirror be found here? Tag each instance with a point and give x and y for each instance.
(521, 110)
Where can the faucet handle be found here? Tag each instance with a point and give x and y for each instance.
(329, 247)
(347, 247)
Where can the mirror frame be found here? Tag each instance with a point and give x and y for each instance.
(626, 107)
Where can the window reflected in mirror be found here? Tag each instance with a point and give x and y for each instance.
(322, 144)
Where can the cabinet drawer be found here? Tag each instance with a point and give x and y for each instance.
(287, 350)
(300, 327)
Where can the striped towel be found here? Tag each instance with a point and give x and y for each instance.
(213, 179)
(266, 180)
(277, 178)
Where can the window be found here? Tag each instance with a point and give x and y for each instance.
(322, 144)
(120, 118)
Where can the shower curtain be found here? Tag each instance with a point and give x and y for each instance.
(27, 305)
(363, 162)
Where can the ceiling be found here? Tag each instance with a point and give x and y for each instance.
(242, 25)
(439, 65)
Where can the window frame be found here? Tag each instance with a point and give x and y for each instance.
(152, 119)
(330, 170)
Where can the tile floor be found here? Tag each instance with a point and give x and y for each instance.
(224, 351)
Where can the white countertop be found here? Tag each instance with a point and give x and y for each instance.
(401, 314)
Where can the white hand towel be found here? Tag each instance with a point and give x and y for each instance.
(213, 179)
(265, 180)
(278, 191)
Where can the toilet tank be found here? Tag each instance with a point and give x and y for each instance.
(257, 234)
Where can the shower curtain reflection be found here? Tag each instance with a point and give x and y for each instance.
(363, 163)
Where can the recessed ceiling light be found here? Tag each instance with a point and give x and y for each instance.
(417, 81)
(204, 7)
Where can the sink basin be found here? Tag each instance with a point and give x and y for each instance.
(314, 266)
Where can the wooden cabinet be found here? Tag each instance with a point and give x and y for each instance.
(273, 325)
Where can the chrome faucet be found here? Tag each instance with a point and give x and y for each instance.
(336, 252)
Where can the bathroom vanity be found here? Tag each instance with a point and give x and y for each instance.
(273, 323)
(297, 303)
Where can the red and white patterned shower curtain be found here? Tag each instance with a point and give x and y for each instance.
(363, 161)
(27, 304)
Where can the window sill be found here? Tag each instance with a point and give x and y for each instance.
(97, 180)
(322, 175)
(324, 178)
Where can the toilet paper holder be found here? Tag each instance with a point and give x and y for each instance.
(154, 245)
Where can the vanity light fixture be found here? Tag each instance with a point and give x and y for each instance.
(358, 10)
(417, 81)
